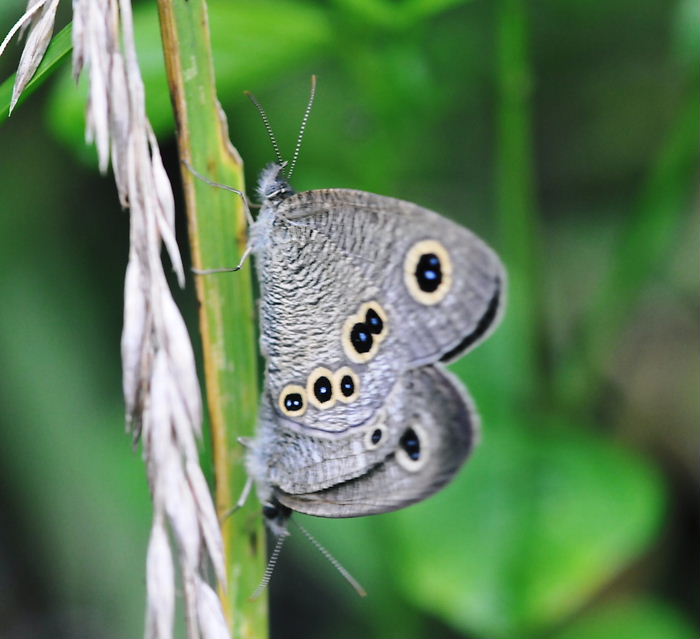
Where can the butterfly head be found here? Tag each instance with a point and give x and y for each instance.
(273, 185)
(276, 517)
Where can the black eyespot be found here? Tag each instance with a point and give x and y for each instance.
(294, 402)
(429, 272)
(322, 389)
(411, 444)
(376, 436)
(347, 386)
(361, 338)
(374, 322)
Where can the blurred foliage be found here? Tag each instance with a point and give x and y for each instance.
(566, 135)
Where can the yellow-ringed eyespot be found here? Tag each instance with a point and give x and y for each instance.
(427, 272)
(375, 318)
(364, 331)
(292, 400)
(347, 385)
(375, 436)
(413, 450)
(320, 388)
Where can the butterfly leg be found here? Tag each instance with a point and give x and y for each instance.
(246, 205)
(241, 500)
(248, 215)
(209, 271)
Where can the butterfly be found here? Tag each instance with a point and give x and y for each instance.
(364, 298)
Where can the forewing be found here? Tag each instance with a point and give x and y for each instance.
(329, 258)
(385, 238)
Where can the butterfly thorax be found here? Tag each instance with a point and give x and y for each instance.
(273, 186)
(273, 189)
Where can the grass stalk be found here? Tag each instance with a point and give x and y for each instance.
(218, 235)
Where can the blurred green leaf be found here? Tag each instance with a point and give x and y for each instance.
(77, 478)
(645, 241)
(642, 618)
(427, 8)
(685, 43)
(544, 515)
(394, 16)
(542, 523)
(251, 41)
(60, 45)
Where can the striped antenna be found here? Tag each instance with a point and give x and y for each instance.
(268, 127)
(304, 120)
(270, 567)
(334, 562)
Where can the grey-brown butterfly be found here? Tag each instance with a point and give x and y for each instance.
(363, 299)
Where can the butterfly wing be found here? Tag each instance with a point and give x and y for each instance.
(431, 428)
(327, 259)
(335, 265)
(309, 289)
(394, 243)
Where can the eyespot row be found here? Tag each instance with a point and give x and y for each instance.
(323, 388)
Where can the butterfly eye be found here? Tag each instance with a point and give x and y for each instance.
(270, 511)
(374, 437)
(320, 388)
(428, 272)
(292, 400)
(347, 384)
(412, 452)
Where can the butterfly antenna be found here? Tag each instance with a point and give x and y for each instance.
(334, 562)
(270, 567)
(268, 127)
(304, 120)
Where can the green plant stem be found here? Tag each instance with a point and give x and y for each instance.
(217, 228)
(644, 241)
(515, 200)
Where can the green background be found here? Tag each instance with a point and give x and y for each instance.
(566, 134)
